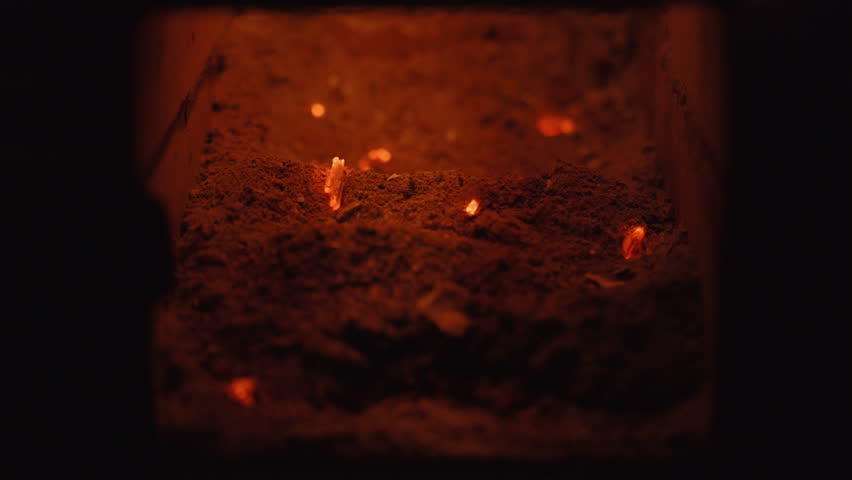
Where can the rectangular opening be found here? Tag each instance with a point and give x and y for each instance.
(496, 272)
(400, 326)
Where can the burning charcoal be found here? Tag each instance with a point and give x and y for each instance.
(551, 125)
(374, 158)
(633, 245)
(451, 322)
(242, 390)
(334, 182)
(472, 208)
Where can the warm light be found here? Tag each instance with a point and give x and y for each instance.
(472, 207)
(374, 157)
(634, 243)
(334, 182)
(317, 110)
(567, 126)
(552, 125)
(242, 390)
(380, 154)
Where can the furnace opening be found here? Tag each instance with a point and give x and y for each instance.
(438, 232)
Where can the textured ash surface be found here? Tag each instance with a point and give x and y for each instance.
(399, 324)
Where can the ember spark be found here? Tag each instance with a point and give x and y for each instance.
(634, 243)
(334, 182)
(380, 154)
(242, 391)
(472, 207)
(375, 157)
(317, 110)
(552, 125)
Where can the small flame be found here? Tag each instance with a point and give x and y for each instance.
(242, 390)
(552, 125)
(317, 110)
(472, 207)
(634, 243)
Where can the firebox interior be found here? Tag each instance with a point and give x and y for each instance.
(503, 274)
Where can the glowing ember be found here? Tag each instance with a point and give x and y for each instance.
(552, 125)
(380, 154)
(472, 207)
(334, 182)
(634, 243)
(242, 390)
(374, 157)
(451, 322)
(317, 110)
(567, 126)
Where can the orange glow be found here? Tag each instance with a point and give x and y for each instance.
(317, 110)
(634, 243)
(242, 390)
(472, 207)
(551, 125)
(374, 157)
(567, 126)
(334, 182)
(380, 154)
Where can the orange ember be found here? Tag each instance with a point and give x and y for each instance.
(380, 154)
(374, 157)
(567, 126)
(472, 207)
(552, 125)
(242, 391)
(334, 182)
(634, 243)
(317, 110)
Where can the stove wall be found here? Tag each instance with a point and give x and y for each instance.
(690, 120)
(175, 77)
